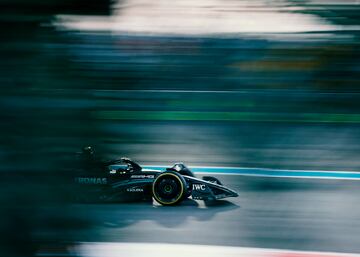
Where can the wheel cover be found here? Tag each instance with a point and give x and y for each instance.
(168, 189)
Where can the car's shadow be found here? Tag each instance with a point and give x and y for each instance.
(126, 214)
(198, 210)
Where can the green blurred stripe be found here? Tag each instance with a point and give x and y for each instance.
(227, 116)
(209, 103)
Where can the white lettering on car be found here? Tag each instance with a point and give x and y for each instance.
(135, 190)
(142, 176)
(201, 187)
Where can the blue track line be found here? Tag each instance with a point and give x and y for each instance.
(272, 172)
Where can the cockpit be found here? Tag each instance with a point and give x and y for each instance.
(124, 166)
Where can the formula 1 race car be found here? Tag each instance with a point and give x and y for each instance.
(125, 180)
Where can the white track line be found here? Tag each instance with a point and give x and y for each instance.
(184, 250)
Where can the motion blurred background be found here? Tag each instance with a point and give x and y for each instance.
(261, 83)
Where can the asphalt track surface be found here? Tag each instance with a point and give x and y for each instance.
(282, 213)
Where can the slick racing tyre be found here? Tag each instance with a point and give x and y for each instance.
(169, 188)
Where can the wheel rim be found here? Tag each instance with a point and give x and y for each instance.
(168, 188)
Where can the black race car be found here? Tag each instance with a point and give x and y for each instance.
(125, 180)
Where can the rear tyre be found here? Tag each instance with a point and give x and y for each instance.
(169, 188)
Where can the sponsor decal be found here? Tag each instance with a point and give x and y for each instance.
(95, 181)
(142, 176)
(135, 190)
(198, 187)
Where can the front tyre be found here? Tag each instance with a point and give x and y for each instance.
(169, 188)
